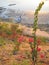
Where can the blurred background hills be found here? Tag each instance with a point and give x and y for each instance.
(27, 17)
(24, 17)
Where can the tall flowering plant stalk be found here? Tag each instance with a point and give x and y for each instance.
(35, 44)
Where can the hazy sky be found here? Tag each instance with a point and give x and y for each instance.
(24, 4)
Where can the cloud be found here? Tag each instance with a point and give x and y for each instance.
(25, 4)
